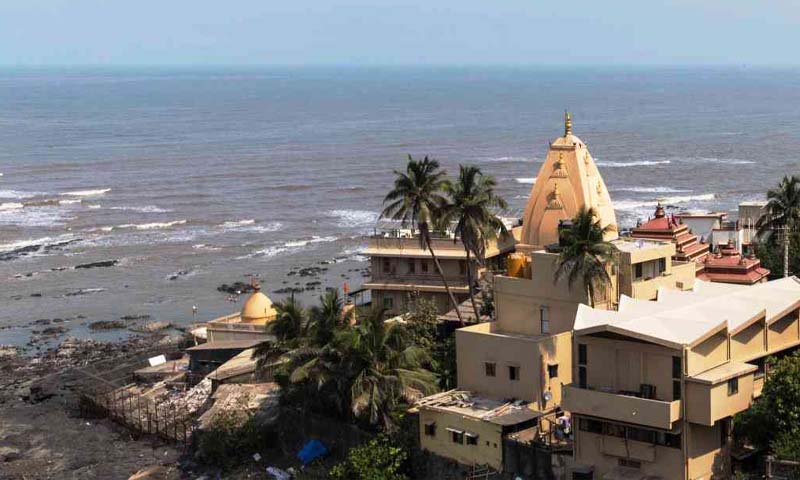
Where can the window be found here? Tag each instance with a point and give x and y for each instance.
(386, 265)
(424, 266)
(544, 315)
(582, 357)
(472, 439)
(614, 430)
(761, 367)
(513, 372)
(456, 436)
(589, 425)
(430, 429)
(638, 270)
(676, 367)
(662, 265)
(491, 369)
(582, 377)
(462, 267)
(388, 303)
(733, 386)
(641, 435)
(552, 371)
(677, 370)
(627, 462)
(412, 266)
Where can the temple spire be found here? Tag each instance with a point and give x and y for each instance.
(567, 123)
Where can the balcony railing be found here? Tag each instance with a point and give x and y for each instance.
(621, 407)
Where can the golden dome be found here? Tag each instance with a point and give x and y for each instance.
(258, 309)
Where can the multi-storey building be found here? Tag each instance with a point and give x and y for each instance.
(400, 266)
(510, 371)
(656, 383)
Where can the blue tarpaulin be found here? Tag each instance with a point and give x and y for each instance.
(312, 450)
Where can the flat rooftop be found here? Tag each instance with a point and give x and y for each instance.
(637, 244)
(469, 404)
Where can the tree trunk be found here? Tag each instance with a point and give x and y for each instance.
(471, 293)
(785, 251)
(446, 286)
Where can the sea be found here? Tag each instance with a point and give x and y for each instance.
(138, 191)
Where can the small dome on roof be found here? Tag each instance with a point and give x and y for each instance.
(258, 309)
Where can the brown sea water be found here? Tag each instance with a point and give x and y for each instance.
(184, 179)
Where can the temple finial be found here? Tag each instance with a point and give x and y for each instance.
(567, 123)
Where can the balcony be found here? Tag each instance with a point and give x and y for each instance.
(400, 243)
(621, 407)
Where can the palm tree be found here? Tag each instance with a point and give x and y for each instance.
(417, 199)
(385, 369)
(782, 214)
(326, 317)
(472, 200)
(584, 254)
(291, 320)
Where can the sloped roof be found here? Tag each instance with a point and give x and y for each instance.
(685, 318)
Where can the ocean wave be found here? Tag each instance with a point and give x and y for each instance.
(637, 163)
(69, 202)
(19, 194)
(526, 180)
(32, 216)
(636, 204)
(87, 193)
(250, 225)
(144, 209)
(354, 218)
(649, 190)
(139, 226)
(289, 247)
(11, 206)
(94, 207)
(34, 246)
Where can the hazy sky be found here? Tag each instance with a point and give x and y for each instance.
(262, 32)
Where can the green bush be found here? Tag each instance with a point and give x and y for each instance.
(378, 459)
(233, 435)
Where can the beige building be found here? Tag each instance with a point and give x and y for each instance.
(400, 267)
(656, 383)
(511, 371)
(248, 324)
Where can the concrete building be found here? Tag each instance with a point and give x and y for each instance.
(656, 383)
(248, 324)
(511, 371)
(399, 267)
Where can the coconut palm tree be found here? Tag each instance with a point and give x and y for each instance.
(326, 317)
(471, 209)
(584, 255)
(782, 214)
(384, 367)
(417, 200)
(291, 320)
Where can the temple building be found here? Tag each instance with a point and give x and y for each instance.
(511, 371)
(568, 180)
(668, 228)
(656, 384)
(727, 265)
(248, 324)
(716, 254)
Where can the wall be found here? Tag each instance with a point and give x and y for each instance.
(593, 449)
(783, 332)
(489, 449)
(518, 300)
(749, 343)
(708, 403)
(477, 344)
(706, 457)
(616, 365)
(708, 354)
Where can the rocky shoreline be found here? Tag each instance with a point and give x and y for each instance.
(41, 435)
